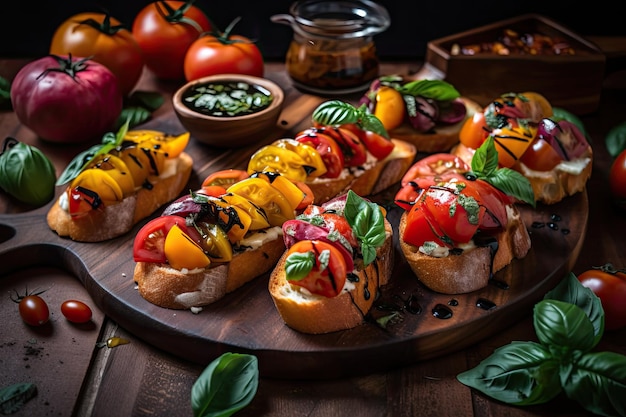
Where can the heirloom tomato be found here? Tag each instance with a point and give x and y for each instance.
(164, 31)
(328, 149)
(149, 244)
(105, 40)
(317, 266)
(474, 131)
(609, 284)
(222, 53)
(65, 99)
(389, 108)
(353, 149)
(617, 179)
(76, 311)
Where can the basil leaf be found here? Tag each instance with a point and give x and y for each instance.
(563, 326)
(485, 167)
(368, 224)
(13, 397)
(227, 385)
(520, 373)
(616, 139)
(5, 94)
(149, 100)
(335, 112)
(298, 265)
(570, 290)
(134, 115)
(433, 89)
(372, 123)
(598, 383)
(26, 173)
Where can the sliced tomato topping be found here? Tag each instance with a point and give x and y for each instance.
(225, 177)
(354, 151)
(377, 145)
(328, 149)
(149, 244)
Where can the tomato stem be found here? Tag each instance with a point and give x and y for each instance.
(609, 268)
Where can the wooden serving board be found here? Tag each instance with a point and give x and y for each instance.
(246, 321)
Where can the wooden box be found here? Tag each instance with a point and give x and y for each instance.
(573, 82)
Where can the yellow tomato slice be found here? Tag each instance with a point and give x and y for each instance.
(511, 143)
(272, 201)
(537, 107)
(182, 252)
(216, 243)
(389, 107)
(258, 217)
(309, 154)
(287, 187)
(116, 168)
(171, 145)
(137, 161)
(275, 159)
(236, 226)
(98, 181)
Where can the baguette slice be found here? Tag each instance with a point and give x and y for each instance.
(170, 288)
(470, 270)
(549, 187)
(377, 176)
(118, 219)
(442, 138)
(314, 314)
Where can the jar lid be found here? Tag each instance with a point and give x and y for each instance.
(340, 19)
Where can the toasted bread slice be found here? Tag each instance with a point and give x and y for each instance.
(471, 269)
(118, 219)
(315, 314)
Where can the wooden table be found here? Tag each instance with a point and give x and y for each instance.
(75, 377)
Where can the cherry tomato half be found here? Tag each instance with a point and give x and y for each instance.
(377, 145)
(609, 285)
(76, 311)
(149, 244)
(328, 149)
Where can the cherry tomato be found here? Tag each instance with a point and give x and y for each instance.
(164, 31)
(323, 279)
(33, 309)
(474, 131)
(617, 179)
(76, 311)
(328, 149)
(540, 156)
(377, 145)
(105, 40)
(512, 142)
(609, 284)
(354, 151)
(222, 53)
(389, 108)
(149, 244)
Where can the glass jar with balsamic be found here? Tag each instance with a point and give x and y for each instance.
(333, 48)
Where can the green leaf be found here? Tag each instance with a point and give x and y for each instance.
(434, 89)
(5, 94)
(134, 115)
(520, 373)
(368, 224)
(13, 397)
(563, 326)
(227, 385)
(372, 123)
(299, 264)
(510, 182)
(335, 112)
(616, 139)
(570, 290)
(598, 383)
(149, 100)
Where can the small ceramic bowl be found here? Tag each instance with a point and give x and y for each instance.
(205, 108)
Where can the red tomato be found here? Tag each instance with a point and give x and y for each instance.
(105, 40)
(213, 190)
(328, 281)
(66, 101)
(150, 240)
(494, 201)
(377, 145)
(222, 54)
(435, 165)
(617, 179)
(540, 156)
(33, 310)
(328, 149)
(336, 222)
(421, 228)
(474, 131)
(353, 149)
(76, 311)
(164, 31)
(225, 177)
(309, 197)
(609, 285)
(408, 193)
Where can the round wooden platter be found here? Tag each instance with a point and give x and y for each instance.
(426, 324)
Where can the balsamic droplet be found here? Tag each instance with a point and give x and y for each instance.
(485, 304)
(441, 311)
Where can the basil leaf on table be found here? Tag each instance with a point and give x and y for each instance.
(569, 322)
(227, 385)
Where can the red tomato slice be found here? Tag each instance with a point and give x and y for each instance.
(353, 149)
(149, 243)
(435, 165)
(213, 190)
(309, 197)
(540, 156)
(327, 281)
(494, 201)
(328, 149)
(474, 131)
(225, 177)
(419, 229)
(377, 145)
(408, 194)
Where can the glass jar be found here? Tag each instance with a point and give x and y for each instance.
(332, 50)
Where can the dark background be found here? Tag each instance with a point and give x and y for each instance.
(27, 26)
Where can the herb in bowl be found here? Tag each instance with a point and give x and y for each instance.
(227, 99)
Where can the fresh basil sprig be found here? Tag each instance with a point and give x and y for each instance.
(368, 224)
(616, 139)
(485, 167)
(569, 323)
(337, 112)
(226, 385)
(437, 90)
(109, 142)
